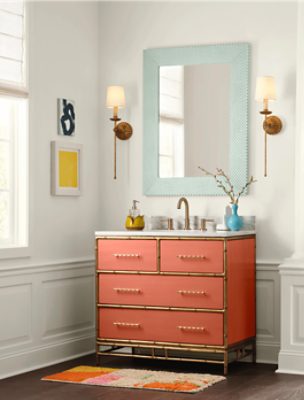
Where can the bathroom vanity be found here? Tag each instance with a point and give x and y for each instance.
(176, 295)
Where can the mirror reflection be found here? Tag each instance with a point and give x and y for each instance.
(194, 119)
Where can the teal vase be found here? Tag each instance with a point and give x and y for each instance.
(234, 222)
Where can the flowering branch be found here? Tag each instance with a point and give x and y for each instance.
(251, 180)
(224, 182)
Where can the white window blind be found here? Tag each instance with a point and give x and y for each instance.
(12, 43)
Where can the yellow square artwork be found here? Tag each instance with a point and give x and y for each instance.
(68, 169)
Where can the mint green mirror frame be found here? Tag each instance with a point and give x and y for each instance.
(237, 56)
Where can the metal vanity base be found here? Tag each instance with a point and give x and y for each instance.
(170, 351)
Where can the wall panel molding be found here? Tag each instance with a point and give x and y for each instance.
(60, 265)
(267, 265)
(297, 300)
(268, 311)
(71, 310)
(48, 313)
(16, 323)
(291, 357)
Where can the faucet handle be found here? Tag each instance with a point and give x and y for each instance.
(203, 223)
(170, 224)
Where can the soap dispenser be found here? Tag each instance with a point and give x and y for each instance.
(135, 221)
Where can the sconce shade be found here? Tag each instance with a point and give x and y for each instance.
(265, 88)
(115, 97)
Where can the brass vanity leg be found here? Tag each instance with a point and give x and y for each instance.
(254, 351)
(153, 352)
(226, 362)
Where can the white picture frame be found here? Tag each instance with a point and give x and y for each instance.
(66, 160)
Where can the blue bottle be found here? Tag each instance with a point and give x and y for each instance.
(234, 222)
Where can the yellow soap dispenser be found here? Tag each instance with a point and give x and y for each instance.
(135, 221)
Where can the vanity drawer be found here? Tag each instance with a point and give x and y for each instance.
(192, 256)
(161, 326)
(127, 255)
(167, 291)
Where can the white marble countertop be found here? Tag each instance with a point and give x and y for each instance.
(174, 233)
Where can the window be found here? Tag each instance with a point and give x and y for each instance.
(171, 122)
(13, 127)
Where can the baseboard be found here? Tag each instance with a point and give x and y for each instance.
(19, 363)
(267, 353)
(291, 363)
(289, 371)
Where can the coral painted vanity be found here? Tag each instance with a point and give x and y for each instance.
(176, 295)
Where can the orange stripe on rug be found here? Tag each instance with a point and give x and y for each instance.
(78, 374)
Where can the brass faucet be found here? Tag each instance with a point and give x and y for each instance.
(187, 218)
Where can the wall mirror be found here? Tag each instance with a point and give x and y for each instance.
(195, 113)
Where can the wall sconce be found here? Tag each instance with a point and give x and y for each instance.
(123, 130)
(265, 91)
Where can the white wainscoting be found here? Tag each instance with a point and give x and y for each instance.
(268, 311)
(47, 314)
(291, 357)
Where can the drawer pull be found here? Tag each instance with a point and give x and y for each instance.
(198, 292)
(127, 290)
(190, 257)
(120, 255)
(126, 324)
(192, 328)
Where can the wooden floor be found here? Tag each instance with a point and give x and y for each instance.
(245, 381)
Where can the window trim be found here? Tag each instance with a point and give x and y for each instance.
(21, 91)
(11, 252)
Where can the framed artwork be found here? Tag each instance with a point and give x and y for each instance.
(66, 159)
(66, 117)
